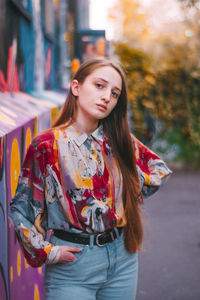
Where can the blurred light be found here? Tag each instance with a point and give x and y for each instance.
(66, 36)
(75, 64)
(188, 33)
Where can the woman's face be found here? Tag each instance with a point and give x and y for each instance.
(98, 94)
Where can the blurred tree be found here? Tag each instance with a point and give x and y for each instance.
(137, 67)
(177, 93)
(132, 19)
(165, 84)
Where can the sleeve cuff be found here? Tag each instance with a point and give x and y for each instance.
(53, 256)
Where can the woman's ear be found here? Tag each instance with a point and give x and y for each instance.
(75, 87)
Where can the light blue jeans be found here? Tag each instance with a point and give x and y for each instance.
(102, 273)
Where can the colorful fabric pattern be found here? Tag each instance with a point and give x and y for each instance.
(70, 181)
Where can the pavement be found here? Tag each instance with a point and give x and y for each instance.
(169, 264)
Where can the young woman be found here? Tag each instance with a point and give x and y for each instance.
(83, 180)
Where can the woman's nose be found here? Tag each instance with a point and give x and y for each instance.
(106, 95)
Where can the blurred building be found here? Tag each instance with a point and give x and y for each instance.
(82, 14)
(88, 43)
(37, 40)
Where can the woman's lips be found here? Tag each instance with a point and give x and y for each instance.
(102, 107)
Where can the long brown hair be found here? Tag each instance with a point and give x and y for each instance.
(116, 128)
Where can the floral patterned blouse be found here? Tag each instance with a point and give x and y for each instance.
(70, 181)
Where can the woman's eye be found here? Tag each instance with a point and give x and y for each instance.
(99, 85)
(115, 95)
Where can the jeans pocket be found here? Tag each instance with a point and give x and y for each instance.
(79, 255)
(61, 273)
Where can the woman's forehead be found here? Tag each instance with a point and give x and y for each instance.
(109, 74)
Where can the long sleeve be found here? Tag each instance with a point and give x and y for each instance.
(27, 212)
(152, 170)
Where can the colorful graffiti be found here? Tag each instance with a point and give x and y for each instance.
(22, 116)
(29, 61)
(29, 58)
(12, 74)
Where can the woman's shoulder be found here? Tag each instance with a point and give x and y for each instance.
(48, 136)
(43, 137)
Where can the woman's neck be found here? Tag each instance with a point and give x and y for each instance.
(87, 125)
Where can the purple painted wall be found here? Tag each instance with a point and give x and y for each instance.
(21, 118)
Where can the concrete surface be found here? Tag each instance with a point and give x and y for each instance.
(169, 264)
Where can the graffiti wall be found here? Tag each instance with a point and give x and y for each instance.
(22, 117)
(31, 45)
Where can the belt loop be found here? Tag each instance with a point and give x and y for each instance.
(117, 232)
(91, 241)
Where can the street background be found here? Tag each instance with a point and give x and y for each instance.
(169, 265)
(157, 44)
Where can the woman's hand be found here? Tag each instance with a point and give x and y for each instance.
(66, 254)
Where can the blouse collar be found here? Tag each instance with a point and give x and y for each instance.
(79, 136)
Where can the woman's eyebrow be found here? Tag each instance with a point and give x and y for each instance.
(115, 87)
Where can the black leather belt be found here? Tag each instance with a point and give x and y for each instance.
(100, 239)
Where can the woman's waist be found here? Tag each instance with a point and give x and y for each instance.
(100, 239)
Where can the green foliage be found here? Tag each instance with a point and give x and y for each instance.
(189, 150)
(170, 93)
(136, 64)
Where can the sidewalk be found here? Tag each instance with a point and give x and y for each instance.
(169, 265)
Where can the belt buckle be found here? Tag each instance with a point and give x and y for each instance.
(97, 240)
(100, 234)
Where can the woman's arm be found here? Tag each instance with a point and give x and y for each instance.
(28, 214)
(152, 170)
